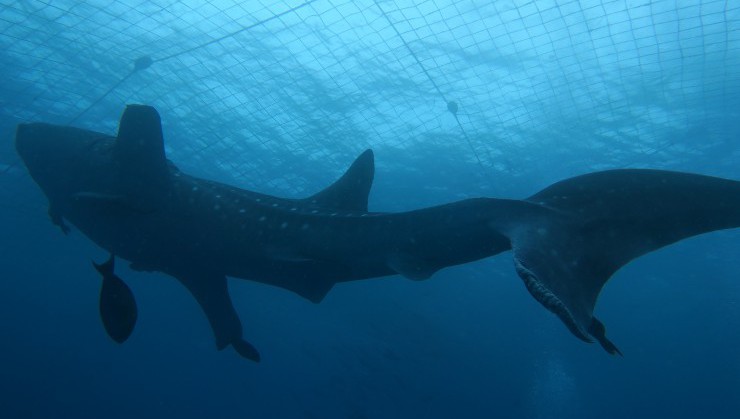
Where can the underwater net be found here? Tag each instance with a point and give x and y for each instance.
(251, 91)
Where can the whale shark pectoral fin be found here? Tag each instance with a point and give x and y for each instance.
(246, 350)
(212, 294)
(350, 192)
(117, 305)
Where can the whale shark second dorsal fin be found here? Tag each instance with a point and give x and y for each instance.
(350, 192)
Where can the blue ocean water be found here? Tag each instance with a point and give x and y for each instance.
(545, 90)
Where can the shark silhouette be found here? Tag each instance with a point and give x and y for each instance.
(567, 239)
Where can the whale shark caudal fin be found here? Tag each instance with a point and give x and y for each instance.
(117, 305)
(350, 192)
(212, 294)
(583, 229)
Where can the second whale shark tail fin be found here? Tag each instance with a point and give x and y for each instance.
(573, 236)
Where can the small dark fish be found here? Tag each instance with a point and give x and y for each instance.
(117, 305)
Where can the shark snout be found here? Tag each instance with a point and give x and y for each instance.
(40, 144)
(34, 144)
(34, 140)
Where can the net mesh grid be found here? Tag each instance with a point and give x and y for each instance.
(281, 95)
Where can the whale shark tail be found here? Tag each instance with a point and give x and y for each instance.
(579, 232)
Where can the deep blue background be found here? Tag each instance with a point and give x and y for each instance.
(470, 342)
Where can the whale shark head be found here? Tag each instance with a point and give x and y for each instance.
(64, 160)
(70, 162)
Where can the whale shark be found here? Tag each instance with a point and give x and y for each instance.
(567, 240)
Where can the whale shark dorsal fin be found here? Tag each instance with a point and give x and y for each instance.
(140, 145)
(140, 158)
(350, 192)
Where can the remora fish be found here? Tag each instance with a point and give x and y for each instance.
(117, 305)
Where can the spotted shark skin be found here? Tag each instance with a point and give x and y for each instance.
(567, 240)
